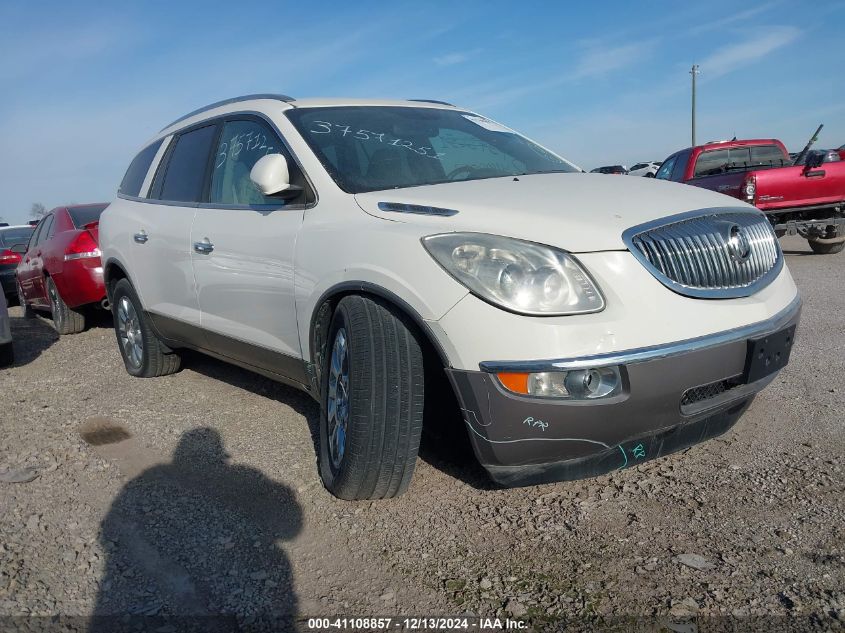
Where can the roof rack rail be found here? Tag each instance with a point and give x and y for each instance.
(217, 104)
(433, 101)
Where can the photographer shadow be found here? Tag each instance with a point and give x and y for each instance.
(195, 544)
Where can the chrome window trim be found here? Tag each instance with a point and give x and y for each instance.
(653, 352)
(689, 291)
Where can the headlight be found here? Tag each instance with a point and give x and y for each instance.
(520, 276)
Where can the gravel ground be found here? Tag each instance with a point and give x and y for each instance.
(197, 494)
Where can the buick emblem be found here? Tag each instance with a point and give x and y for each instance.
(739, 248)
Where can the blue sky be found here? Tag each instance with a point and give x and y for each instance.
(85, 84)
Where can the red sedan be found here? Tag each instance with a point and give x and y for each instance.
(61, 269)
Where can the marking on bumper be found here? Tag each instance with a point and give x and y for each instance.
(535, 439)
(625, 456)
(536, 423)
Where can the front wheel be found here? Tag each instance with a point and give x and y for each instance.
(66, 320)
(372, 401)
(144, 355)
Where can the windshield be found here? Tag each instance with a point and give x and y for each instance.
(368, 148)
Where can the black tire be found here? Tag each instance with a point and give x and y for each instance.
(150, 358)
(66, 320)
(649, 175)
(7, 354)
(28, 312)
(826, 249)
(385, 390)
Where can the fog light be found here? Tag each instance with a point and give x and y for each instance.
(592, 383)
(577, 384)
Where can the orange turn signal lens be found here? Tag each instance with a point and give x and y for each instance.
(516, 382)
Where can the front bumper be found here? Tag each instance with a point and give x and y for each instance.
(673, 396)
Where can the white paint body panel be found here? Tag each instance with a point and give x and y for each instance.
(245, 285)
(640, 312)
(576, 212)
(268, 273)
(160, 269)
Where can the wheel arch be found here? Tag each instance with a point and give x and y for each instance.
(113, 271)
(324, 308)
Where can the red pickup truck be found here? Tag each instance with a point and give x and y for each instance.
(806, 200)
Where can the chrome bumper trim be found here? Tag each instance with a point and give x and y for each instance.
(642, 354)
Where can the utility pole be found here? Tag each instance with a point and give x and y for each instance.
(693, 71)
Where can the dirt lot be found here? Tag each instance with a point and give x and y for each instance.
(211, 503)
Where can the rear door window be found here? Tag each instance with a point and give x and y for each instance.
(138, 168)
(712, 162)
(184, 175)
(33, 240)
(45, 230)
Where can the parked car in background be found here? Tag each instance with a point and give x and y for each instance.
(7, 354)
(615, 170)
(806, 199)
(61, 270)
(385, 256)
(11, 236)
(645, 169)
(826, 156)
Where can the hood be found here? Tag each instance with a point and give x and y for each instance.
(576, 212)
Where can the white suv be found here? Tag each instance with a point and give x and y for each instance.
(359, 250)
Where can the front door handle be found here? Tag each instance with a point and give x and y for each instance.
(204, 247)
(141, 237)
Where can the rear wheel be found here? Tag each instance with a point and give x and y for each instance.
(144, 355)
(27, 311)
(649, 175)
(827, 248)
(820, 248)
(66, 320)
(372, 401)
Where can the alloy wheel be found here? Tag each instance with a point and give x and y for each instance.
(338, 399)
(55, 308)
(129, 331)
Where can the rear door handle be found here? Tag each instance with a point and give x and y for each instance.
(140, 237)
(204, 247)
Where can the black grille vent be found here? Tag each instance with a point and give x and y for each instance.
(708, 391)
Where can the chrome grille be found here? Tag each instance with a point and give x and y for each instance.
(710, 254)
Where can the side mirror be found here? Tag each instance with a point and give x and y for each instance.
(20, 249)
(271, 176)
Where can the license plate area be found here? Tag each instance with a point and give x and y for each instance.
(768, 354)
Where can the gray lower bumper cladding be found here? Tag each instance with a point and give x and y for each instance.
(667, 404)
